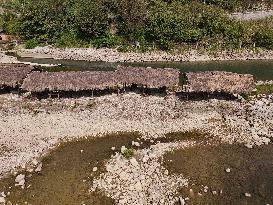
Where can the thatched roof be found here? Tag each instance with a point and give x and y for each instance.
(12, 74)
(218, 81)
(68, 81)
(153, 78)
(88, 80)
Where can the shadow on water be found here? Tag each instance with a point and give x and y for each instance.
(260, 69)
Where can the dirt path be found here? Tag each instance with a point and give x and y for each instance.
(254, 15)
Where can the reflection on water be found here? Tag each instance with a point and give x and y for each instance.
(261, 69)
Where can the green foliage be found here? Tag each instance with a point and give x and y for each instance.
(128, 153)
(90, 18)
(264, 38)
(31, 43)
(263, 89)
(130, 16)
(69, 40)
(164, 24)
(107, 41)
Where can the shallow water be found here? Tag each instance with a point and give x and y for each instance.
(251, 172)
(260, 69)
(67, 174)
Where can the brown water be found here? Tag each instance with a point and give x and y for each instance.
(67, 172)
(251, 172)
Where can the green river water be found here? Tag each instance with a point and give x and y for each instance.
(260, 69)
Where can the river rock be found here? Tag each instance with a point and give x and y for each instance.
(2, 200)
(39, 167)
(134, 162)
(20, 180)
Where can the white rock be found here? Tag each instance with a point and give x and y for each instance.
(39, 167)
(137, 144)
(19, 178)
(134, 162)
(249, 146)
(182, 201)
(113, 148)
(2, 200)
(95, 169)
(123, 149)
(145, 159)
(214, 192)
(35, 162)
(247, 195)
(138, 186)
(81, 150)
(228, 170)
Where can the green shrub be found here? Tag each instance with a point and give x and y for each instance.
(264, 38)
(33, 43)
(90, 18)
(107, 41)
(69, 40)
(128, 153)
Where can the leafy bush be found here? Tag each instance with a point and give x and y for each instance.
(264, 38)
(120, 23)
(33, 43)
(107, 41)
(130, 16)
(90, 18)
(128, 153)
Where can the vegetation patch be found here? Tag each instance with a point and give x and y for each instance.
(141, 24)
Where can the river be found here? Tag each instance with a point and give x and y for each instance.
(260, 69)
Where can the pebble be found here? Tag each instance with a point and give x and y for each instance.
(228, 170)
(247, 195)
(95, 169)
(191, 192)
(182, 201)
(20, 180)
(250, 146)
(123, 149)
(113, 148)
(2, 200)
(35, 162)
(39, 167)
(134, 162)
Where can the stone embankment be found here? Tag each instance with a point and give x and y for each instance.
(112, 55)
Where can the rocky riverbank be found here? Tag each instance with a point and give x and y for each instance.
(29, 128)
(7, 59)
(112, 55)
